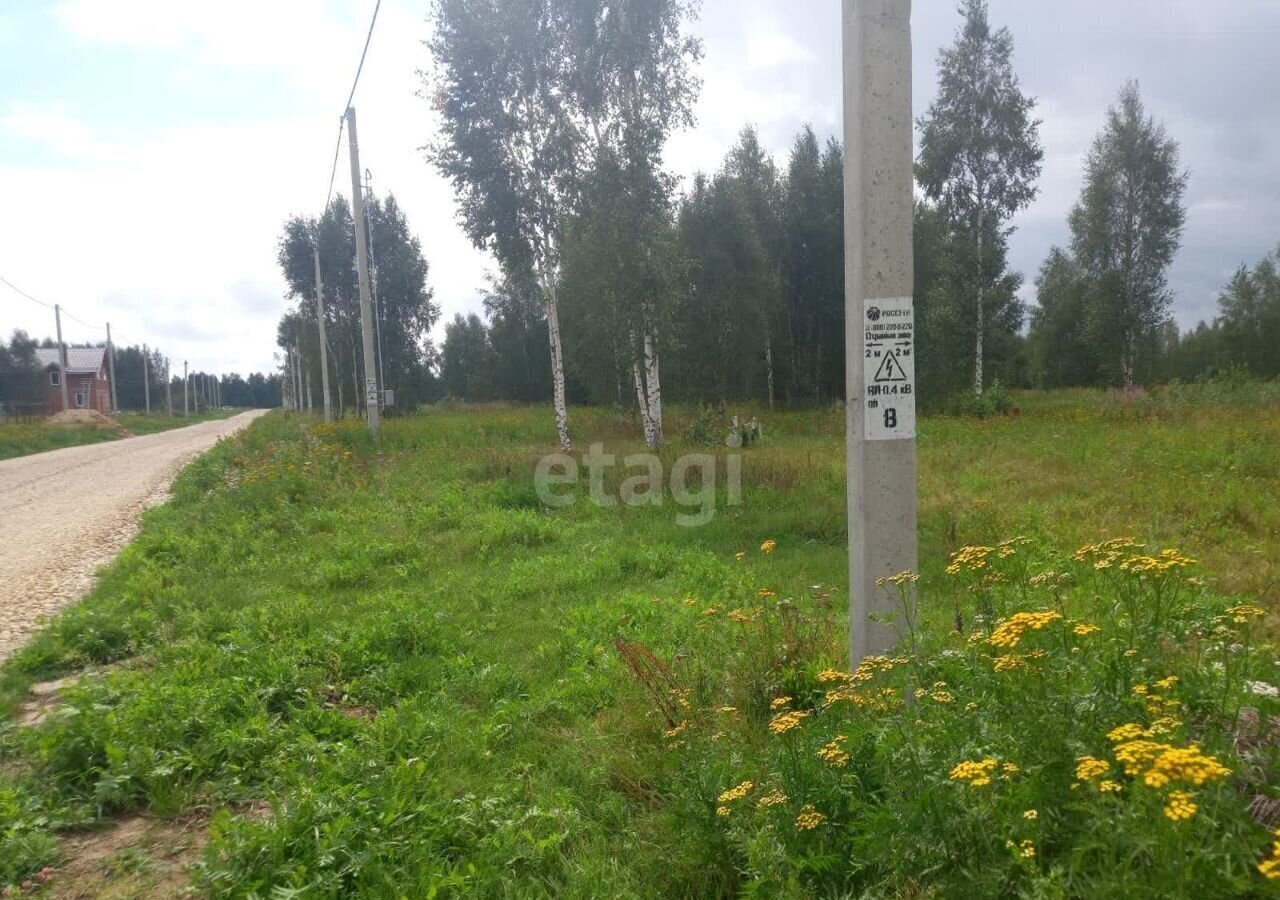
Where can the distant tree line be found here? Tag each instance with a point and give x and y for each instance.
(404, 312)
(22, 379)
(555, 114)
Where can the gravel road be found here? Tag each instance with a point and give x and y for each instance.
(65, 513)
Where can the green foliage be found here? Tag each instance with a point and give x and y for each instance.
(37, 437)
(412, 666)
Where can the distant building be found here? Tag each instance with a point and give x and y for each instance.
(87, 384)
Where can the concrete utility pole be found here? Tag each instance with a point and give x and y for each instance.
(324, 344)
(111, 369)
(168, 388)
(185, 382)
(362, 264)
(879, 318)
(373, 280)
(146, 382)
(62, 355)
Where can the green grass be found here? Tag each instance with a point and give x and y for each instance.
(426, 673)
(23, 439)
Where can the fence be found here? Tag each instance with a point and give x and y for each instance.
(23, 412)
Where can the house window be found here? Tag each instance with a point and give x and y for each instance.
(82, 399)
(55, 378)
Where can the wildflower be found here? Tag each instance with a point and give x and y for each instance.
(833, 754)
(970, 707)
(1131, 652)
(1180, 808)
(765, 593)
(736, 793)
(768, 546)
(976, 772)
(1084, 629)
(711, 611)
(1010, 631)
(1090, 767)
(773, 798)
(738, 615)
(740, 555)
(833, 676)
(972, 558)
(1127, 732)
(787, 721)
(722, 811)
(1027, 849)
(942, 697)
(779, 702)
(1270, 868)
(809, 818)
(1262, 689)
(728, 709)
(1008, 769)
(902, 578)
(1031, 815)
(1107, 786)
(670, 733)
(1165, 683)
(1245, 610)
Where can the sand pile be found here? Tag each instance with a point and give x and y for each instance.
(80, 418)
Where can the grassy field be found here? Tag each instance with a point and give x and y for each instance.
(37, 437)
(397, 673)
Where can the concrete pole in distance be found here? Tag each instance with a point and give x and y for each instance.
(324, 344)
(62, 355)
(362, 264)
(146, 382)
(185, 382)
(879, 319)
(168, 388)
(111, 369)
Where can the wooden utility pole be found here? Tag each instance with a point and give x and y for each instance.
(186, 380)
(324, 344)
(146, 382)
(111, 369)
(879, 320)
(62, 355)
(362, 265)
(168, 388)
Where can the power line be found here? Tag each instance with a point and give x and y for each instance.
(337, 145)
(24, 293)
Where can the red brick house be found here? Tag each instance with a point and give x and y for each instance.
(87, 384)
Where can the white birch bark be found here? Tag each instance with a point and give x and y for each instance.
(654, 388)
(981, 318)
(642, 402)
(768, 361)
(557, 363)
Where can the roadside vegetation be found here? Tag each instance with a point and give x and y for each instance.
(24, 438)
(396, 673)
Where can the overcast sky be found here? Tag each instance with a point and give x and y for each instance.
(150, 150)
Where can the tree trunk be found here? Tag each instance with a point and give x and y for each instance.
(642, 402)
(768, 362)
(557, 363)
(654, 388)
(981, 317)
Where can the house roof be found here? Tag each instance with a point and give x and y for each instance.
(80, 360)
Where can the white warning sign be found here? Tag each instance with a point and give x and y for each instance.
(888, 369)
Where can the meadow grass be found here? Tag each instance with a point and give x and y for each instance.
(24, 438)
(442, 687)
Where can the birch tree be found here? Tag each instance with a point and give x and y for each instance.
(1127, 226)
(503, 85)
(980, 150)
